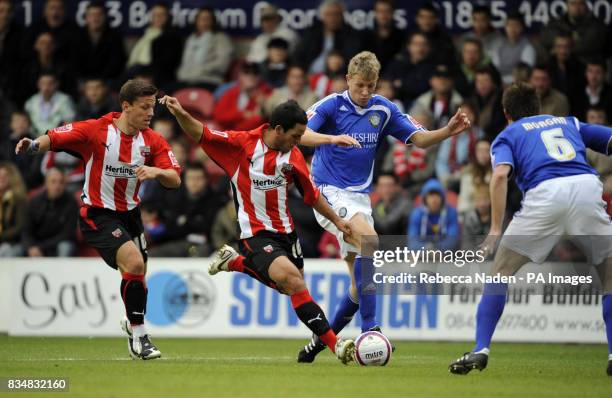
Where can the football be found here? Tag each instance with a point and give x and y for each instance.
(372, 349)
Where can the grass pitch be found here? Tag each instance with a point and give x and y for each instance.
(100, 367)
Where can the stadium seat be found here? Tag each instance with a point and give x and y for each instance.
(197, 101)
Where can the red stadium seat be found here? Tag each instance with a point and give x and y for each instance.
(197, 101)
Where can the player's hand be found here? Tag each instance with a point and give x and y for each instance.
(458, 123)
(22, 146)
(489, 245)
(146, 173)
(173, 105)
(344, 227)
(345, 141)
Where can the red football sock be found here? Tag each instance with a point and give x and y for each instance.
(237, 264)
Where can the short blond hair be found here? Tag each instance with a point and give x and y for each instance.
(364, 64)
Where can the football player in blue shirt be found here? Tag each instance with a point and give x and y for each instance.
(561, 195)
(357, 122)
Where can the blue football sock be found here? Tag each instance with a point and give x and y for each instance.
(607, 316)
(490, 309)
(364, 270)
(344, 314)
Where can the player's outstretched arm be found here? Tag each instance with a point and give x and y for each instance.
(311, 138)
(187, 122)
(32, 147)
(458, 123)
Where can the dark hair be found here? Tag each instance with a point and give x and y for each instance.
(215, 24)
(516, 16)
(287, 115)
(278, 42)
(543, 67)
(473, 40)
(430, 7)
(96, 4)
(390, 3)
(598, 61)
(388, 174)
(195, 166)
(48, 72)
(481, 9)
(134, 89)
(520, 100)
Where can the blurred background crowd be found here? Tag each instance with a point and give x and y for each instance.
(53, 72)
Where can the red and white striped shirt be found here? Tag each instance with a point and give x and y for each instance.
(260, 178)
(110, 158)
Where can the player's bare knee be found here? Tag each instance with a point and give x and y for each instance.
(135, 266)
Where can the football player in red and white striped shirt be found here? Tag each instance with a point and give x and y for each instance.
(120, 151)
(262, 163)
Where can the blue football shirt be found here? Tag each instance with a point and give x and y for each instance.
(352, 168)
(543, 147)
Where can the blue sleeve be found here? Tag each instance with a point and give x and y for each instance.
(401, 126)
(596, 137)
(501, 151)
(451, 240)
(320, 113)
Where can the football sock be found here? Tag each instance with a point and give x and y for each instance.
(134, 295)
(607, 316)
(344, 314)
(237, 264)
(490, 309)
(138, 331)
(313, 317)
(364, 271)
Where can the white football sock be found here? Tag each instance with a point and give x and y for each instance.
(138, 331)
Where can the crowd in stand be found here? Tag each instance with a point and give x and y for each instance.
(53, 72)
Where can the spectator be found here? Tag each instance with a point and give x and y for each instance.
(411, 71)
(165, 127)
(12, 210)
(225, 228)
(339, 84)
(585, 28)
(385, 39)
(487, 99)
(100, 48)
(567, 72)
(335, 67)
(552, 101)
(49, 108)
(478, 172)
(434, 224)
(521, 73)
(440, 42)
(154, 228)
(412, 165)
(329, 246)
(442, 101)
(96, 100)
(331, 33)
(274, 68)
(45, 60)
(64, 31)
(597, 92)
(296, 88)
(188, 213)
(513, 48)
(160, 47)
(11, 35)
(207, 54)
(472, 59)
(482, 30)
(597, 115)
(477, 222)
(19, 128)
(272, 27)
(385, 88)
(240, 107)
(6, 111)
(51, 220)
(599, 161)
(391, 208)
(455, 152)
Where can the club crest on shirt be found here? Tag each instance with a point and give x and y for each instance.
(286, 168)
(145, 150)
(268, 249)
(64, 128)
(374, 120)
(117, 233)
